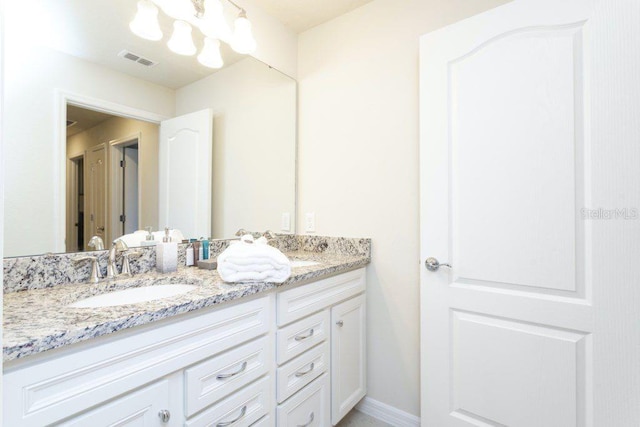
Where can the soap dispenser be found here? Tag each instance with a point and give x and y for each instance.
(167, 254)
(148, 241)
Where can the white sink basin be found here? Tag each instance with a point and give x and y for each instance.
(133, 296)
(301, 263)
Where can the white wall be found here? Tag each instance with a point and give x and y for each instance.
(32, 76)
(254, 134)
(358, 163)
(277, 44)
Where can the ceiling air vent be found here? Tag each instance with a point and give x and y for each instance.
(136, 58)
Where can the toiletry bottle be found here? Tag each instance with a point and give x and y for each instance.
(167, 254)
(190, 257)
(205, 249)
(196, 251)
(200, 249)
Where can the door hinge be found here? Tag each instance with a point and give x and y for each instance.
(123, 218)
(123, 164)
(91, 217)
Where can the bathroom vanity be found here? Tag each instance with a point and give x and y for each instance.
(246, 354)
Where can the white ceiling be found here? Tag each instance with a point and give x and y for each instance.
(301, 15)
(97, 30)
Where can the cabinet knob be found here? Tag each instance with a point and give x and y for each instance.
(164, 415)
(340, 323)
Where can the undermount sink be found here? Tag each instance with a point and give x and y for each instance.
(133, 296)
(302, 263)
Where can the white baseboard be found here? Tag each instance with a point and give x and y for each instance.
(387, 413)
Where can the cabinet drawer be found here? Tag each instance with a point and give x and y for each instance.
(307, 408)
(213, 379)
(304, 300)
(141, 407)
(59, 386)
(301, 371)
(240, 409)
(296, 338)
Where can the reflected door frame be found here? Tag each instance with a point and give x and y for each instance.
(73, 202)
(116, 205)
(64, 98)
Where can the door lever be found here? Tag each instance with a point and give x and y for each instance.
(433, 264)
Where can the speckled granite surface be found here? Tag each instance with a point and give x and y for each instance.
(46, 271)
(39, 319)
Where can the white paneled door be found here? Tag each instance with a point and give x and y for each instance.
(518, 331)
(186, 144)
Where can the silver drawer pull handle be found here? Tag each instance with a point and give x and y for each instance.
(340, 323)
(232, 374)
(308, 422)
(164, 415)
(228, 423)
(304, 337)
(302, 374)
(433, 264)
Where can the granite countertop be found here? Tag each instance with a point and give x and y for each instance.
(40, 319)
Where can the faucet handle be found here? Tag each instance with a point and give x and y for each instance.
(126, 266)
(96, 275)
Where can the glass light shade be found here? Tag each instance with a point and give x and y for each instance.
(210, 54)
(145, 23)
(243, 41)
(181, 41)
(177, 9)
(213, 24)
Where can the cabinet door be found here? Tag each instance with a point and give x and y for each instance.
(348, 360)
(138, 409)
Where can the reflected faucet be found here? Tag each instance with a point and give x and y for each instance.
(118, 245)
(96, 243)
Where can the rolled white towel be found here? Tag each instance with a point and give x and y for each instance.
(249, 261)
(252, 276)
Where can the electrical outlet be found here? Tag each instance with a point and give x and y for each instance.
(286, 222)
(310, 222)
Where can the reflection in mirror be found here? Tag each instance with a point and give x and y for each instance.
(111, 175)
(47, 184)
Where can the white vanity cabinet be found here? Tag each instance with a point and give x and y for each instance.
(348, 356)
(321, 350)
(276, 359)
(95, 377)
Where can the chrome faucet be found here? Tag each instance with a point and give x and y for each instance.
(96, 243)
(118, 245)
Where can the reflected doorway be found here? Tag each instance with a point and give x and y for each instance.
(111, 176)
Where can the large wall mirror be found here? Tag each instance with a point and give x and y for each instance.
(82, 131)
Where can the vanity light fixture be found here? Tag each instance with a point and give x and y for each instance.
(207, 16)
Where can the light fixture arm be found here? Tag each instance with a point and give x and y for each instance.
(241, 9)
(198, 5)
